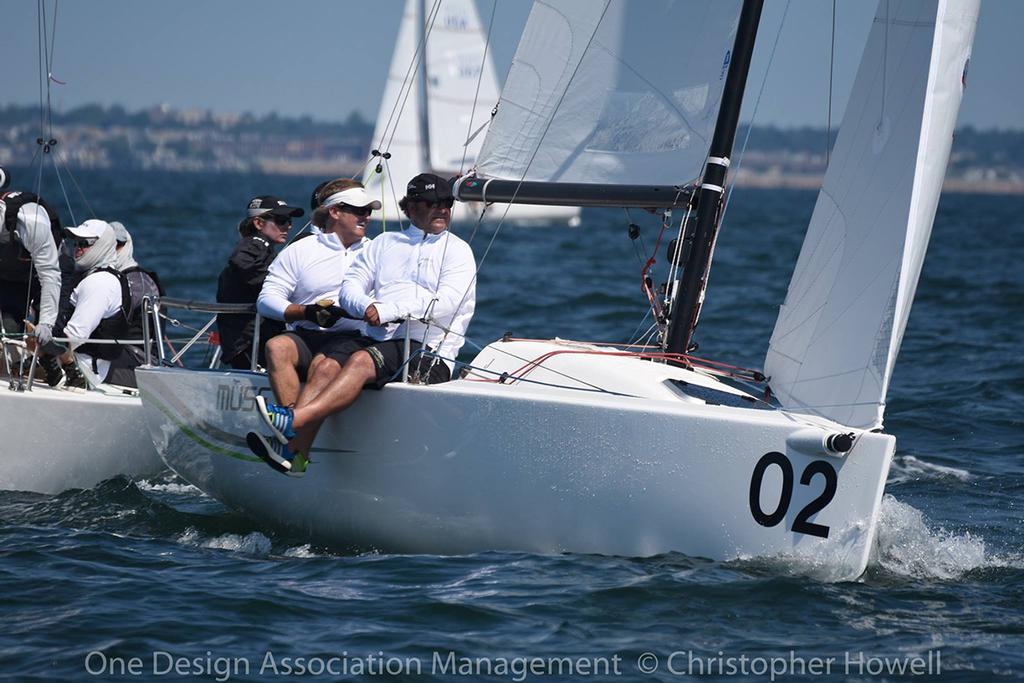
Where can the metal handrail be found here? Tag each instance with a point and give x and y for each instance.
(152, 308)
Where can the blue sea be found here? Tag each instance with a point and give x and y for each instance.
(153, 580)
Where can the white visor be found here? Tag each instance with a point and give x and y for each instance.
(353, 196)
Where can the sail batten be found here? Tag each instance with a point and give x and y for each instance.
(839, 331)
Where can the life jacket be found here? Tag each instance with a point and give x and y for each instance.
(136, 284)
(15, 261)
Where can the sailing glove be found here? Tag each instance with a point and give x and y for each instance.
(44, 334)
(324, 313)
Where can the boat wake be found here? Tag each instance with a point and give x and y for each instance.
(908, 468)
(253, 543)
(907, 546)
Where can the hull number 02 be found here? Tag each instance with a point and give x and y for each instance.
(773, 517)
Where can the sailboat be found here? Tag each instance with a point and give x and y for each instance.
(440, 91)
(553, 445)
(54, 440)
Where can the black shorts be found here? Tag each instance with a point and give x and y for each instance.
(311, 342)
(388, 359)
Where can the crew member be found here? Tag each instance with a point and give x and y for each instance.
(106, 308)
(423, 277)
(308, 272)
(266, 224)
(29, 261)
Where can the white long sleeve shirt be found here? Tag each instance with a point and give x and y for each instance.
(96, 297)
(305, 272)
(415, 275)
(33, 231)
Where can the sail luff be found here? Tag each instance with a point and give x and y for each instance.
(840, 328)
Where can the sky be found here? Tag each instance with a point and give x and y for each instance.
(326, 58)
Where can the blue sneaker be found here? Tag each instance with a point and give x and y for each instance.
(278, 418)
(277, 455)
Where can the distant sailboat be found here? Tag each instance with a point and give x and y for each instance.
(433, 110)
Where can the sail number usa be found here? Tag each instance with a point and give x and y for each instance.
(801, 525)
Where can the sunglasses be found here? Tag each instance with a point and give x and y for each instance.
(278, 220)
(83, 242)
(362, 211)
(444, 203)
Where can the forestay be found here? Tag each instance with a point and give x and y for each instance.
(612, 92)
(839, 331)
(454, 59)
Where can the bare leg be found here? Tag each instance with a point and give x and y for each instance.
(282, 369)
(329, 391)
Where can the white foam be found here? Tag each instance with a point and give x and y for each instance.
(302, 551)
(169, 488)
(254, 543)
(906, 545)
(908, 468)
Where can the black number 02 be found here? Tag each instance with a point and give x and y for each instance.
(800, 524)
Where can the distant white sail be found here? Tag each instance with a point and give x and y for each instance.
(840, 329)
(612, 92)
(454, 59)
(398, 129)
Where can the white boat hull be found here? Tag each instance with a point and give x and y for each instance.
(469, 466)
(55, 440)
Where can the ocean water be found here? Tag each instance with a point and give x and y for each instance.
(153, 580)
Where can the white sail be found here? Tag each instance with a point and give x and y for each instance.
(455, 68)
(839, 331)
(612, 92)
(431, 117)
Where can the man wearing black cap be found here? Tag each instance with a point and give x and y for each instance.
(266, 224)
(422, 278)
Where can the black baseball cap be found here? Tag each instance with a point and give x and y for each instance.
(264, 204)
(314, 199)
(427, 187)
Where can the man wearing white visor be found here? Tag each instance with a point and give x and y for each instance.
(303, 282)
(423, 278)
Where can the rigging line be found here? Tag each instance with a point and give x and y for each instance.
(476, 95)
(407, 84)
(39, 55)
(831, 66)
(753, 115)
(536, 150)
(64, 190)
(71, 175)
(48, 54)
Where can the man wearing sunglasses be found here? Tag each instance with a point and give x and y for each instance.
(303, 282)
(422, 278)
(266, 223)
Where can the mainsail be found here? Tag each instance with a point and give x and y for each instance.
(840, 328)
(424, 117)
(612, 92)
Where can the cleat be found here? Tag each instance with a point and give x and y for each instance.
(277, 455)
(277, 418)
